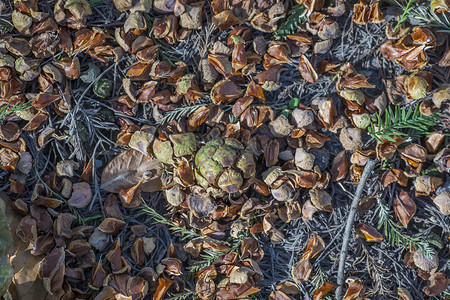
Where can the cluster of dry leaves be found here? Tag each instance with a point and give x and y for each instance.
(225, 181)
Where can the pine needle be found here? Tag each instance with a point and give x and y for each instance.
(94, 3)
(6, 111)
(208, 257)
(179, 112)
(423, 14)
(296, 15)
(6, 26)
(397, 119)
(318, 280)
(429, 17)
(205, 259)
(407, 9)
(186, 234)
(395, 237)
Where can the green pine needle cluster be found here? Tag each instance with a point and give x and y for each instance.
(422, 13)
(208, 257)
(397, 119)
(205, 259)
(395, 237)
(6, 111)
(407, 9)
(296, 15)
(186, 234)
(179, 112)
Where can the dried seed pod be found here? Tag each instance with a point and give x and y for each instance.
(416, 87)
(239, 59)
(225, 92)
(351, 138)
(223, 163)
(353, 95)
(178, 145)
(361, 120)
(175, 196)
(303, 159)
(285, 192)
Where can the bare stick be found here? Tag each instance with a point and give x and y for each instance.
(350, 220)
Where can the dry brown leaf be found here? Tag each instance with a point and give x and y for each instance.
(409, 51)
(53, 269)
(339, 167)
(369, 233)
(323, 290)
(128, 168)
(364, 13)
(437, 283)
(314, 247)
(321, 200)
(288, 287)
(307, 70)
(443, 202)
(354, 291)
(404, 208)
(225, 92)
(111, 225)
(301, 270)
(26, 283)
(163, 286)
(81, 195)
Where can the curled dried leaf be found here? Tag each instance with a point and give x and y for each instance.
(354, 291)
(366, 12)
(306, 70)
(443, 202)
(369, 233)
(81, 195)
(225, 92)
(404, 208)
(323, 290)
(111, 225)
(53, 270)
(436, 284)
(339, 166)
(301, 270)
(314, 247)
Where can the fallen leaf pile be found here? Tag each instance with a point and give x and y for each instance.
(230, 166)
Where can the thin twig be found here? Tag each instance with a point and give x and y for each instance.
(350, 220)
